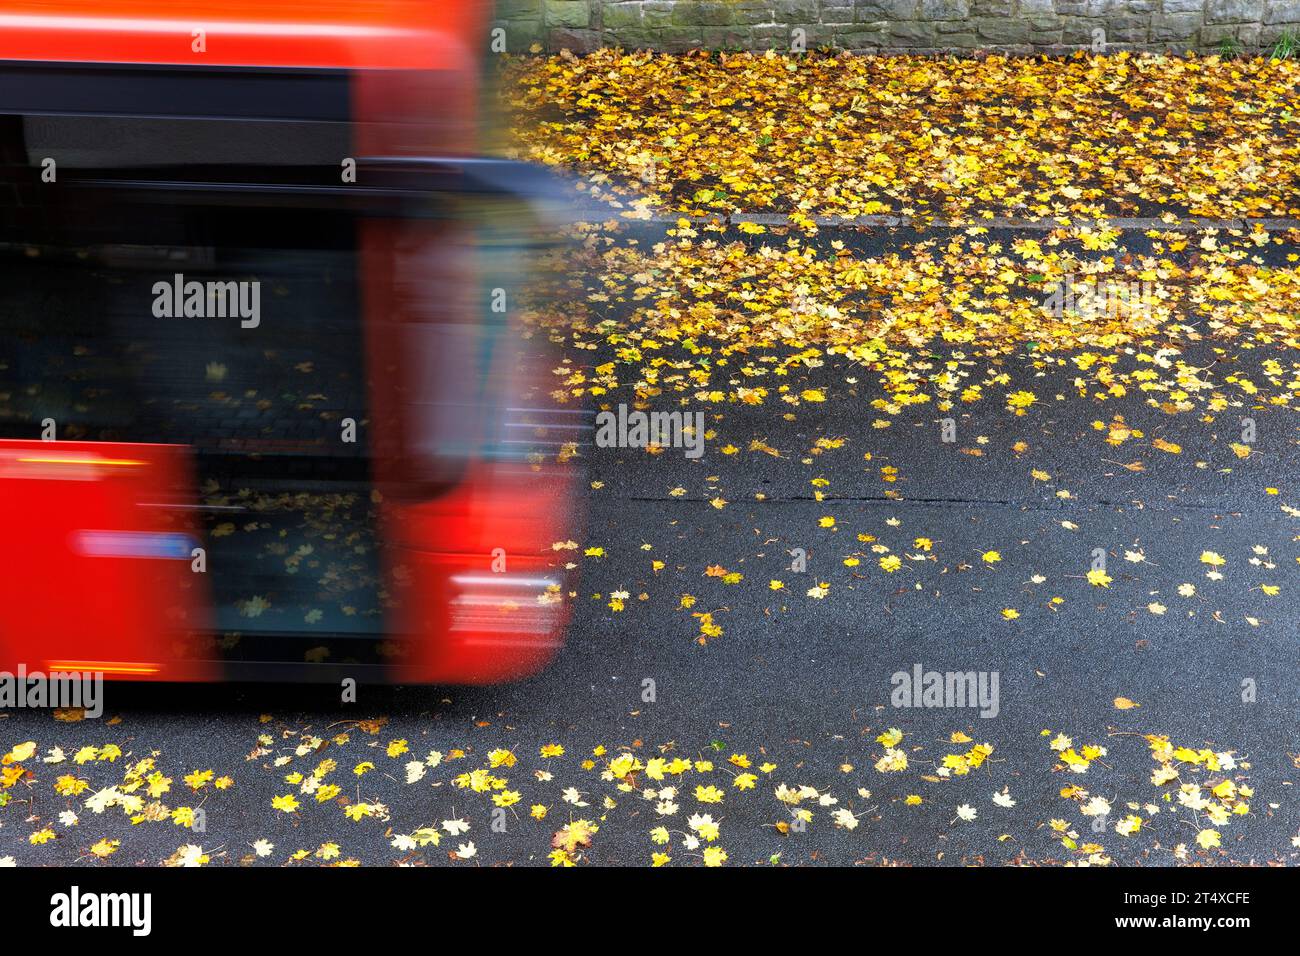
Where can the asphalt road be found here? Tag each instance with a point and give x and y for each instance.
(797, 688)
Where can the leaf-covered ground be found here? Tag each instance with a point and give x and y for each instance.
(1147, 693)
(352, 792)
(851, 135)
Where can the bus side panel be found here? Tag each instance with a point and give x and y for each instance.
(99, 565)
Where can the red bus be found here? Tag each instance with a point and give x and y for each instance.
(266, 410)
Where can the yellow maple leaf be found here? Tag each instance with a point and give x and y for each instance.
(105, 848)
(286, 804)
(198, 779)
(20, 753)
(890, 737)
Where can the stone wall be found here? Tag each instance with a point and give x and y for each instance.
(1016, 26)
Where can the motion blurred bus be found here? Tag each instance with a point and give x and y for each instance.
(267, 407)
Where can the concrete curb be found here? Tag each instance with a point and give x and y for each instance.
(596, 214)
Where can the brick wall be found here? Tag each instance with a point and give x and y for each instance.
(1018, 26)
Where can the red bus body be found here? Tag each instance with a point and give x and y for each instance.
(99, 575)
(374, 34)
